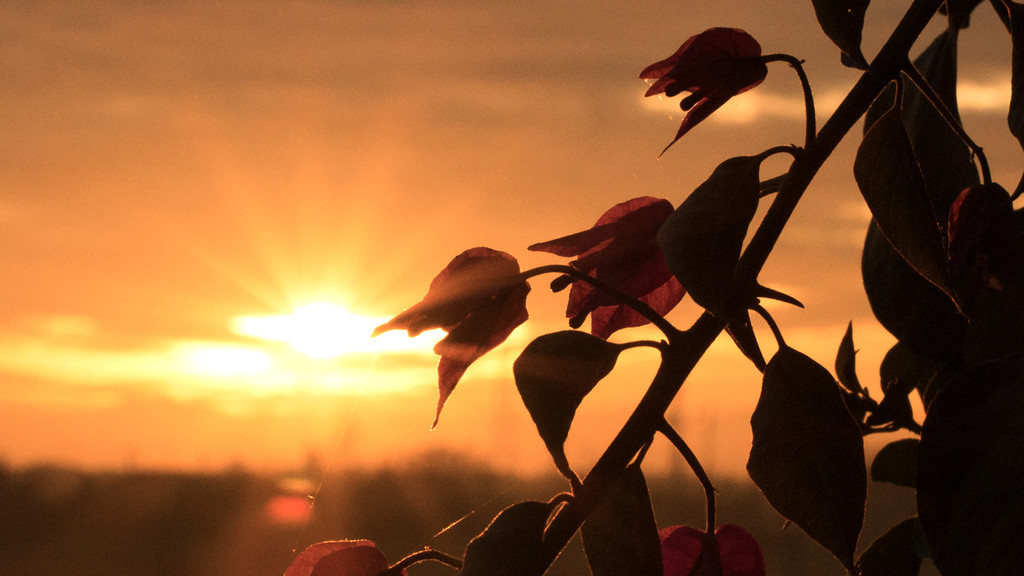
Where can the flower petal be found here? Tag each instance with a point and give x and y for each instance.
(469, 280)
(482, 331)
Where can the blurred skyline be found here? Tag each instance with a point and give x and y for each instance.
(169, 170)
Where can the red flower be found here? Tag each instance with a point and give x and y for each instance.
(713, 66)
(732, 551)
(478, 300)
(621, 250)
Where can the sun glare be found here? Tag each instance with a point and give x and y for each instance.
(326, 330)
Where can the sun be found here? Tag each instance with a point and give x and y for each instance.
(326, 330)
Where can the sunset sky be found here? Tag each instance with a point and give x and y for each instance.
(205, 207)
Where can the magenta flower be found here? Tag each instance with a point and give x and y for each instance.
(621, 250)
(478, 300)
(713, 66)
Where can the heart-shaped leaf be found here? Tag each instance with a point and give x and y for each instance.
(554, 373)
(807, 456)
(970, 471)
(703, 238)
(512, 544)
(620, 536)
(890, 180)
(843, 21)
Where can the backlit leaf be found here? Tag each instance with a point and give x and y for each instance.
(842, 21)
(904, 370)
(890, 180)
(970, 479)
(339, 558)
(896, 463)
(895, 553)
(946, 163)
(512, 544)
(553, 374)
(703, 238)
(620, 536)
(846, 362)
(807, 456)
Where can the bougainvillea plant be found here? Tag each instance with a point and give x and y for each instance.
(943, 268)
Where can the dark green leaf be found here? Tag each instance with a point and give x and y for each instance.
(890, 180)
(553, 374)
(512, 544)
(896, 463)
(895, 553)
(807, 455)
(703, 238)
(970, 480)
(846, 362)
(620, 536)
(842, 21)
(742, 333)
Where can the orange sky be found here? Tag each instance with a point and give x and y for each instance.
(166, 168)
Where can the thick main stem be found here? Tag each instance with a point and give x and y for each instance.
(682, 354)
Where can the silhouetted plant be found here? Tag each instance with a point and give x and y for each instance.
(943, 268)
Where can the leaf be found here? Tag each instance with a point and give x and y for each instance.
(970, 495)
(620, 536)
(553, 374)
(512, 544)
(842, 21)
(339, 558)
(904, 370)
(946, 163)
(891, 183)
(895, 553)
(478, 300)
(703, 238)
(807, 456)
(846, 362)
(912, 309)
(690, 552)
(896, 463)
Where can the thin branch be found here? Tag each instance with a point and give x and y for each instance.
(951, 119)
(771, 324)
(670, 331)
(798, 65)
(670, 433)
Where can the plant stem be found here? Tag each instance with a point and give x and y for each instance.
(686, 348)
(798, 65)
(670, 433)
